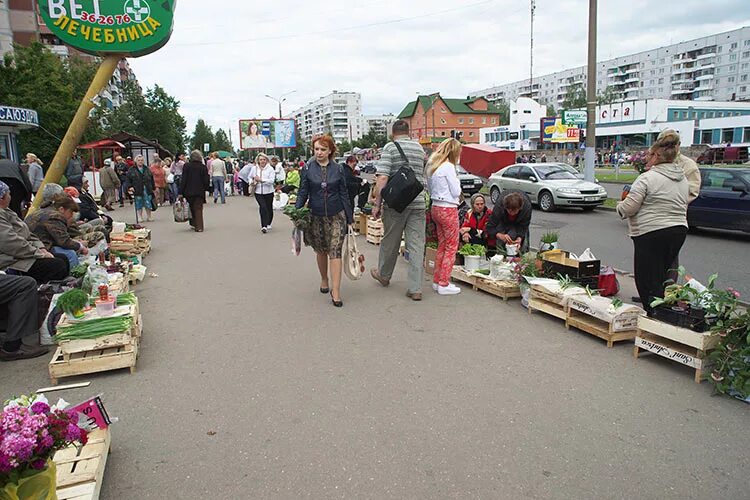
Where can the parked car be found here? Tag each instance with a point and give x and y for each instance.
(569, 168)
(548, 185)
(369, 167)
(470, 183)
(724, 200)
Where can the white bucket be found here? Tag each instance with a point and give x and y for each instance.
(511, 249)
(471, 262)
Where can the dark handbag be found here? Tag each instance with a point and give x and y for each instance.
(402, 187)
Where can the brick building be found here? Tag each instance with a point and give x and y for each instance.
(432, 117)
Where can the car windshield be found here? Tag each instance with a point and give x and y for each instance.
(745, 176)
(461, 170)
(567, 168)
(553, 172)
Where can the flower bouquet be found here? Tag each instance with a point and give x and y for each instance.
(31, 431)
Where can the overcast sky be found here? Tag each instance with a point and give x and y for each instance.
(225, 55)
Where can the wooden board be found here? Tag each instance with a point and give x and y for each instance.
(503, 289)
(80, 472)
(699, 340)
(547, 307)
(459, 274)
(677, 344)
(597, 327)
(80, 363)
(116, 339)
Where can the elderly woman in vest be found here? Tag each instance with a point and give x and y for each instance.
(141, 185)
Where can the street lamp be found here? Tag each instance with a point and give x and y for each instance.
(280, 99)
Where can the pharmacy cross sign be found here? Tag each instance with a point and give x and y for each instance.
(129, 27)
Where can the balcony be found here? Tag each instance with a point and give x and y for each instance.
(707, 76)
(705, 86)
(707, 66)
(681, 91)
(682, 60)
(633, 79)
(631, 70)
(706, 56)
(704, 98)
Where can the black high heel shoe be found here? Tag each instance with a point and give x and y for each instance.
(337, 303)
(324, 290)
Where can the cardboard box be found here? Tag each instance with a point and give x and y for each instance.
(430, 255)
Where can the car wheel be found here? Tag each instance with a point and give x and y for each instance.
(495, 195)
(546, 201)
(588, 209)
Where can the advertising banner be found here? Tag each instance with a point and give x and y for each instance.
(553, 130)
(128, 27)
(262, 134)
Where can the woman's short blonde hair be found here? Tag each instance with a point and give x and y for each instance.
(34, 158)
(261, 155)
(667, 147)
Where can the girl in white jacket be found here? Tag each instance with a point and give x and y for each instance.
(445, 192)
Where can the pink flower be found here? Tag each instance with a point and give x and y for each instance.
(40, 407)
(38, 464)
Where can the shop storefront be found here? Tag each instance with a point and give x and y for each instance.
(12, 121)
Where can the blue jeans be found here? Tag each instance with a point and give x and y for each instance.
(218, 184)
(71, 255)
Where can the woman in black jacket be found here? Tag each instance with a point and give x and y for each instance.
(141, 185)
(323, 188)
(193, 187)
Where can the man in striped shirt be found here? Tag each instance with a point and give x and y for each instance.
(411, 222)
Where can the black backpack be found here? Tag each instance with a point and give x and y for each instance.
(402, 187)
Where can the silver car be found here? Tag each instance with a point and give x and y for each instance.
(549, 185)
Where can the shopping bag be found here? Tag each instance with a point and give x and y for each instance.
(181, 210)
(608, 284)
(353, 261)
(296, 240)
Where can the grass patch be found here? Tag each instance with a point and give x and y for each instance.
(485, 190)
(623, 178)
(610, 203)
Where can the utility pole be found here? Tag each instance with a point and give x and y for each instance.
(531, 57)
(590, 157)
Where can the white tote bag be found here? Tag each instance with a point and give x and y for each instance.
(353, 261)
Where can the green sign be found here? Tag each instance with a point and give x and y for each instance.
(574, 117)
(100, 27)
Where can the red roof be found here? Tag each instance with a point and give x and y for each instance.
(102, 144)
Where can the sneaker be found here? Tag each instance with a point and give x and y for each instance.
(24, 352)
(435, 287)
(268, 227)
(448, 290)
(264, 230)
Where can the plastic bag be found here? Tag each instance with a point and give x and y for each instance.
(39, 486)
(353, 261)
(181, 210)
(296, 241)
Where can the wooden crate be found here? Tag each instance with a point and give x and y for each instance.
(80, 471)
(100, 360)
(503, 289)
(677, 344)
(596, 327)
(459, 274)
(540, 299)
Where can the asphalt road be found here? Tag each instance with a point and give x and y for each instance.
(705, 252)
(251, 385)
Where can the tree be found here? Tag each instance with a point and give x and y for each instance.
(202, 135)
(33, 77)
(503, 109)
(608, 96)
(551, 110)
(575, 97)
(221, 142)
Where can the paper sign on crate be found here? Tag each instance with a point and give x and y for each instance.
(666, 352)
(95, 413)
(624, 321)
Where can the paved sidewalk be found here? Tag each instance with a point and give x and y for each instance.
(250, 384)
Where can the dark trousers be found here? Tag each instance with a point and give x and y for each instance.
(265, 206)
(245, 188)
(654, 255)
(46, 270)
(19, 294)
(364, 194)
(196, 212)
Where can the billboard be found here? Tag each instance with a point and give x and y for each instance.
(272, 133)
(552, 129)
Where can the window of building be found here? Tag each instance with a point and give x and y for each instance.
(718, 70)
(461, 121)
(661, 71)
(702, 115)
(746, 134)
(661, 61)
(471, 134)
(743, 78)
(442, 109)
(442, 133)
(717, 81)
(730, 79)
(747, 43)
(653, 72)
(727, 135)
(743, 89)
(733, 46)
(484, 120)
(746, 54)
(710, 114)
(471, 121)
(651, 82)
(684, 115)
(661, 80)
(706, 136)
(443, 122)
(493, 121)
(720, 49)
(732, 57)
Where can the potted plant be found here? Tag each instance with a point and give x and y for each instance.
(549, 241)
(73, 302)
(730, 358)
(32, 432)
(473, 255)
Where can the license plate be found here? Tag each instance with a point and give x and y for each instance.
(591, 198)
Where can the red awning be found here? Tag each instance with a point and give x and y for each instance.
(103, 144)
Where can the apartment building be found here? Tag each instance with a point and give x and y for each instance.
(379, 124)
(711, 68)
(338, 114)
